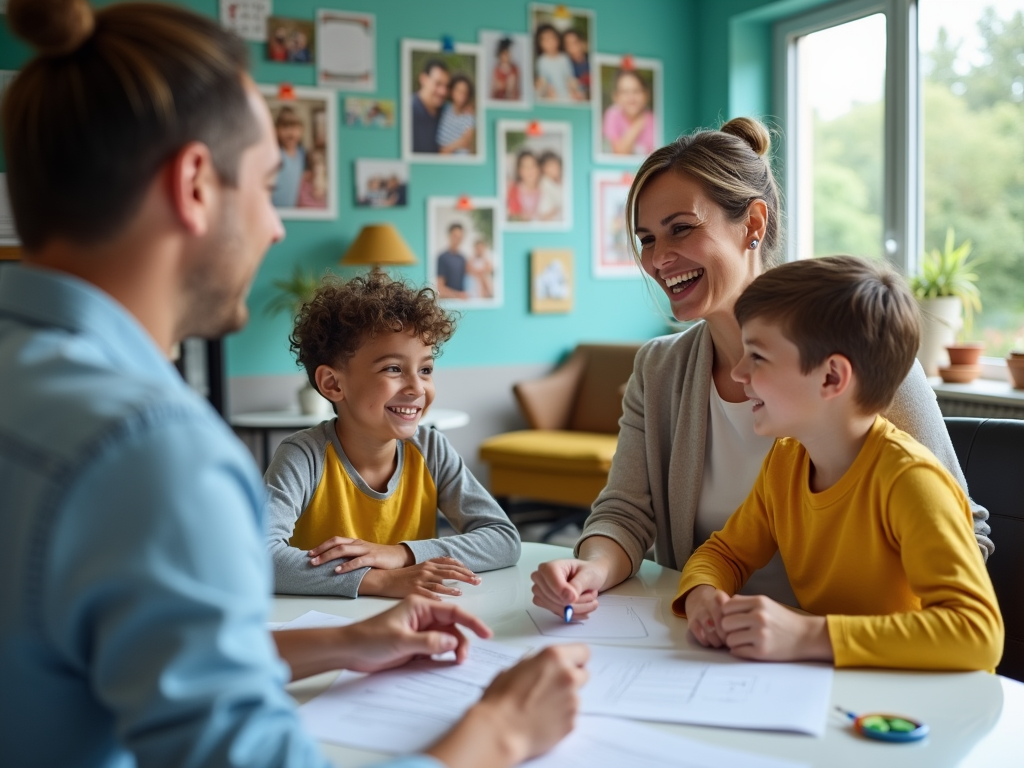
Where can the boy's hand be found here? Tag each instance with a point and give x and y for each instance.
(363, 554)
(704, 606)
(757, 627)
(426, 578)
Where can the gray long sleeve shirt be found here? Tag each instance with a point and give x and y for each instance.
(313, 458)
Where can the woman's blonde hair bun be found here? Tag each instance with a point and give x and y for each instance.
(52, 27)
(753, 132)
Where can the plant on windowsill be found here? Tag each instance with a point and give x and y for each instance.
(289, 296)
(947, 292)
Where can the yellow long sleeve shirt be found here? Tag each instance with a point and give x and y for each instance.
(887, 554)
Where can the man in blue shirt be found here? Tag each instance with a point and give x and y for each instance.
(426, 105)
(134, 584)
(451, 267)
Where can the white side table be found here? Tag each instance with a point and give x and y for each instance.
(266, 422)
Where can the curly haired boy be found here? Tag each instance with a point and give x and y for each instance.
(354, 501)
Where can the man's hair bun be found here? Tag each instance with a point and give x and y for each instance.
(751, 131)
(52, 27)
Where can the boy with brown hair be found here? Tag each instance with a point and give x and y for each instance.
(365, 488)
(875, 535)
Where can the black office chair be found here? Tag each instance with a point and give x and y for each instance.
(991, 454)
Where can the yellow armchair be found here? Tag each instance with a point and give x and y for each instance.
(573, 413)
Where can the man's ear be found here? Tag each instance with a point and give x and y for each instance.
(329, 382)
(193, 187)
(838, 376)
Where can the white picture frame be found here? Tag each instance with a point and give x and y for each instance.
(346, 50)
(551, 88)
(464, 61)
(612, 258)
(381, 183)
(640, 79)
(520, 53)
(534, 209)
(316, 109)
(475, 215)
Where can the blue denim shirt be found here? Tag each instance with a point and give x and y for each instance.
(134, 582)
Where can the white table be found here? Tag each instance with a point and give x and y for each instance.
(265, 422)
(976, 719)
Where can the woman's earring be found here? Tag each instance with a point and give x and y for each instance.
(754, 243)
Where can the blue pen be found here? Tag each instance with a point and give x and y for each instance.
(567, 613)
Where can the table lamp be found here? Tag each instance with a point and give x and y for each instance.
(378, 244)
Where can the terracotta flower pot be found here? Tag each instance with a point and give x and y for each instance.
(960, 374)
(965, 354)
(1015, 367)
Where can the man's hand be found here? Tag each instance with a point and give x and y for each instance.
(363, 554)
(757, 627)
(425, 579)
(703, 608)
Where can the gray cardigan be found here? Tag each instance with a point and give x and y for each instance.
(654, 482)
(486, 538)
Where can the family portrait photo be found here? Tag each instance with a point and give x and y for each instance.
(464, 251)
(627, 108)
(382, 183)
(612, 257)
(442, 114)
(369, 113)
(508, 69)
(562, 40)
(535, 174)
(305, 122)
(290, 40)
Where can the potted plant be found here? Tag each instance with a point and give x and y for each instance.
(289, 296)
(947, 292)
(1015, 367)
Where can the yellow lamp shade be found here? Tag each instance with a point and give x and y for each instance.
(378, 244)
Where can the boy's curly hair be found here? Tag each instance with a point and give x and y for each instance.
(343, 315)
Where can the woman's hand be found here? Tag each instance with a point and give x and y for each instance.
(559, 583)
(703, 608)
(425, 579)
(524, 712)
(362, 554)
(757, 627)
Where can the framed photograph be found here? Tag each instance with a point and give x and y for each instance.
(508, 69)
(627, 109)
(369, 113)
(612, 256)
(562, 39)
(306, 123)
(290, 41)
(551, 280)
(246, 18)
(535, 174)
(464, 262)
(346, 50)
(442, 116)
(381, 183)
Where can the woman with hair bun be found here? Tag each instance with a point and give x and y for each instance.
(705, 211)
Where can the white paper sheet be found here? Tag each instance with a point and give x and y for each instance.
(666, 687)
(407, 709)
(346, 50)
(310, 620)
(601, 742)
(618, 617)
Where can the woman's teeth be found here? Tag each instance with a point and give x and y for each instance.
(679, 283)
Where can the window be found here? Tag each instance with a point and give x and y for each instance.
(887, 170)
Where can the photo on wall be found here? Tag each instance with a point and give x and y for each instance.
(612, 256)
(369, 113)
(508, 69)
(381, 183)
(535, 174)
(562, 40)
(346, 46)
(551, 286)
(291, 41)
(464, 261)
(627, 109)
(442, 112)
(306, 124)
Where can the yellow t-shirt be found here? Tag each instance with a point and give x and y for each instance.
(887, 554)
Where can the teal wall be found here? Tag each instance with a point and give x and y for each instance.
(716, 57)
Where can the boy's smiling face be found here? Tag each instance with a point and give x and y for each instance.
(784, 398)
(385, 387)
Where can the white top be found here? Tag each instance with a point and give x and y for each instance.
(733, 456)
